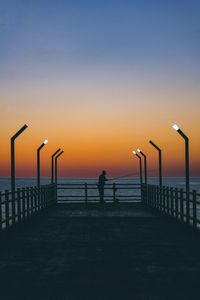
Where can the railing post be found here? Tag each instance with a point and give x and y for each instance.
(41, 197)
(38, 198)
(31, 200)
(7, 208)
(56, 191)
(54, 194)
(157, 198)
(167, 195)
(18, 205)
(160, 198)
(13, 206)
(0, 211)
(163, 201)
(147, 194)
(23, 203)
(35, 198)
(176, 203)
(153, 196)
(172, 201)
(194, 203)
(28, 201)
(45, 195)
(188, 208)
(150, 195)
(86, 194)
(143, 194)
(48, 195)
(114, 192)
(181, 206)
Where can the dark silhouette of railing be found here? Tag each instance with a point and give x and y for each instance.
(88, 192)
(173, 202)
(170, 201)
(24, 203)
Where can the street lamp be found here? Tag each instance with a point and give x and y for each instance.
(159, 161)
(12, 141)
(140, 164)
(56, 167)
(52, 165)
(38, 161)
(145, 165)
(187, 167)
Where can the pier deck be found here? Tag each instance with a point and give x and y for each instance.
(124, 252)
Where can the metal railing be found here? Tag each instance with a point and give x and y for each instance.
(23, 203)
(173, 202)
(88, 193)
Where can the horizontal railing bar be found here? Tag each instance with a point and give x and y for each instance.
(95, 184)
(93, 188)
(97, 201)
(105, 197)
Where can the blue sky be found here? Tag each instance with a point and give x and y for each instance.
(55, 34)
(96, 71)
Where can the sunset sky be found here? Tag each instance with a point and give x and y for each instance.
(99, 79)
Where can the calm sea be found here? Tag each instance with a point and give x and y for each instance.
(167, 181)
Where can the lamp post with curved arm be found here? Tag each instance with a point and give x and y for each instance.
(12, 143)
(187, 168)
(159, 161)
(140, 165)
(56, 166)
(38, 161)
(56, 170)
(52, 165)
(145, 165)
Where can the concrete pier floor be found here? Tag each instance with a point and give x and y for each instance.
(124, 252)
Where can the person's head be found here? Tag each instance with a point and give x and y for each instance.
(104, 172)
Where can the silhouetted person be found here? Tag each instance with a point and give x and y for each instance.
(101, 183)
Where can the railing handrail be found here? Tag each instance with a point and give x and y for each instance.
(24, 202)
(95, 184)
(173, 201)
(84, 188)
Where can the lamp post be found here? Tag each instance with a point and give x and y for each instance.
(140, 164)
(56, 167)
(187, 168)
(38, 161)
(145, 165)
(159, 161)
(52, 165)
(12, 141)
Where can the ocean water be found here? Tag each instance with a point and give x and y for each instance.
(178, 182)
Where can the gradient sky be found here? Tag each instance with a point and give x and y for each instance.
(99, 79)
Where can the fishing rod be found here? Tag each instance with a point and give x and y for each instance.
(127, 175)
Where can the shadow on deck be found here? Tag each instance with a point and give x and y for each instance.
(123, 252)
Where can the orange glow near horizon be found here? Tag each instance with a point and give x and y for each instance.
(97, 134)
(99, 79)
